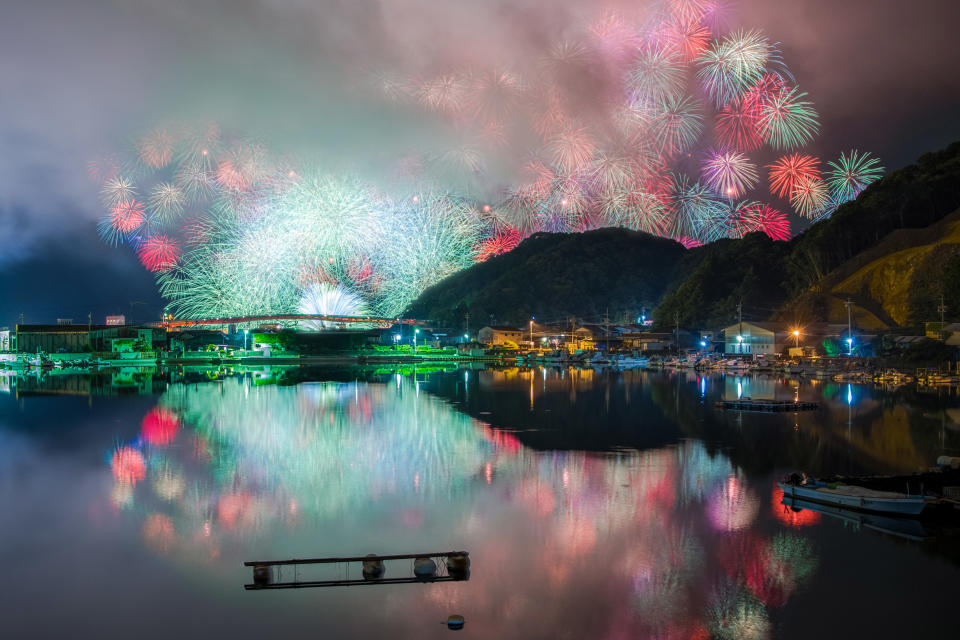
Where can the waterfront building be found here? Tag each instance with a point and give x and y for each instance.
(52, 338)
(755, 338)
(7, 339)
(500, 335)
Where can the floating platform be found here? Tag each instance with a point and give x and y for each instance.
(445, 566)
(771, 406)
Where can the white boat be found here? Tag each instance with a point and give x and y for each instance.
(854, 497)
(629, 361)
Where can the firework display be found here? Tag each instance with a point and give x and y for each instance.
(655, 122)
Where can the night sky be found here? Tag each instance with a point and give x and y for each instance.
(82, 77)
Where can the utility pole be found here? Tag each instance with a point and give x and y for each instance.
(606, 327)
(676, 330)
(942, 309)
(740, 331)
(467, 329)
(849, 306)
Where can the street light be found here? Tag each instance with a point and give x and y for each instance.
(849, 346)
(245, 333)
(796, 337)
(739, 344)
(415, 332)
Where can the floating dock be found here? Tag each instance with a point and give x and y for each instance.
(446, 566)
(770, 406)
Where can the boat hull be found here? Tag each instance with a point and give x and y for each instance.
(907, 505)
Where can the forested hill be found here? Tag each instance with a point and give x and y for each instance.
(554, 276)
(858, 253)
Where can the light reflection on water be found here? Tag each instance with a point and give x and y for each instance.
(219, 465)
(594, 504)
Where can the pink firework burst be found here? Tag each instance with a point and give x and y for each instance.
(158, 253)
(231, 175)
(127, 215)
(688, 242)
(790, 170)
(760, 216)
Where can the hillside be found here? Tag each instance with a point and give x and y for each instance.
(897, 283)
(892, 251)
(556, 275)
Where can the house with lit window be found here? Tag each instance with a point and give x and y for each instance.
(755, 338)
(498, 335)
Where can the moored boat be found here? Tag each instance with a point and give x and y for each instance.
(854, 497)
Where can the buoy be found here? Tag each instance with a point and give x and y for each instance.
(373, 569)
(458, 565)
(424, 568)
(455, 623)
(261, 574)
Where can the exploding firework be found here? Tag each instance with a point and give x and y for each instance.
(851, 174)
(600, 121)
(571, 148)
(657, 75)
(787, 121)
(323, 299)
(729, 173)
(729, 67)
(698, 213)
(787, 172)
(810, 197)
(757, 216)
(158, 253)
(738, 127)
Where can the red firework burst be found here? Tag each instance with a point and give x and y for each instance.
(738, 127)
(689, 243)
(789, 171)
(506, 240)
(158, 253)
(127, 215)
(762, 217)
(762, 92)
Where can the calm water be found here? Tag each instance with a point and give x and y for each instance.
(593, 505)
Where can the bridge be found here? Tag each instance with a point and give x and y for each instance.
(287, 320)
